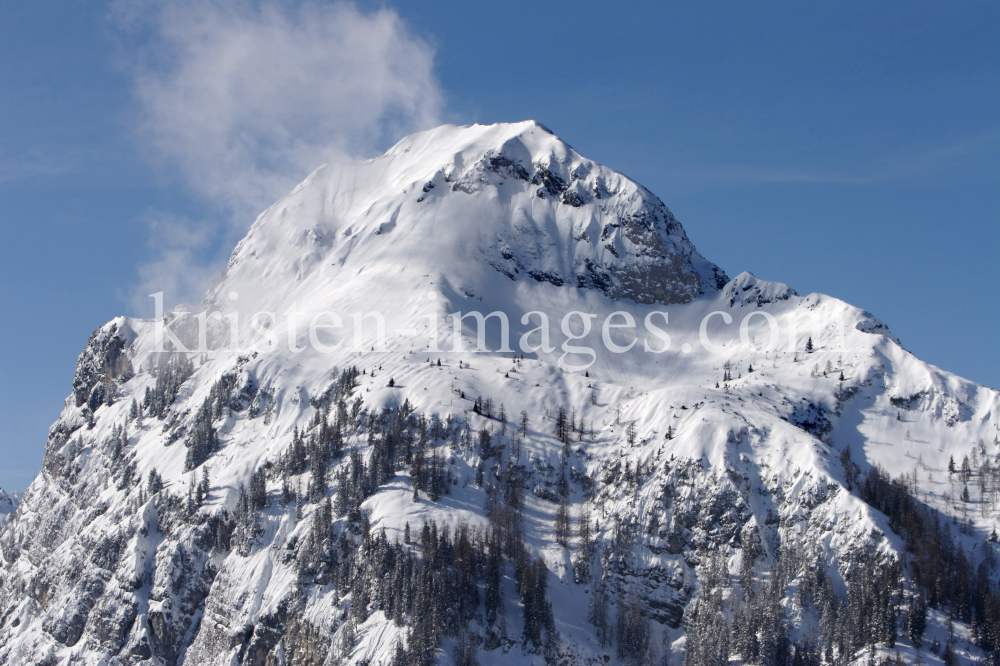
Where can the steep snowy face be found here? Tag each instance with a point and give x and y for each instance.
(507, 199)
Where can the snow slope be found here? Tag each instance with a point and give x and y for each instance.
(501, 218)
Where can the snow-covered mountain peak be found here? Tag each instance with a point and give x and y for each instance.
(459, 146)
(508, 150)
(685, 466)
(511, 199)
(747, 289)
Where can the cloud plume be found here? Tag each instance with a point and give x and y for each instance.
(242, 100)
(180, 267)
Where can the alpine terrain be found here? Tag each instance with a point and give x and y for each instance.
(481, 401)
(8, 502)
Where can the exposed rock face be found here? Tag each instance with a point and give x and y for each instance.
(8, 503)
(641, 252)
(103, 362)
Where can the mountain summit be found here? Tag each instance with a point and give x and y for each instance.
(511, 199)
(479, 400)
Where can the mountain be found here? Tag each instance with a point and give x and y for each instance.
(656, 463)
(8, 502)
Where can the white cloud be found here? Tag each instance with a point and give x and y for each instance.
(244, 99)
(180, 270)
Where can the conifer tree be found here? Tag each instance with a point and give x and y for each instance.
(562, 525)
(154, 483)
(598, 614)
(204, 485)
(633, 629)
(916, 621)
(202, 440)
(434, 481)
(492, 572)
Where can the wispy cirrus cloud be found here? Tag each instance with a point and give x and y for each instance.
(39, 164)
(242, 100)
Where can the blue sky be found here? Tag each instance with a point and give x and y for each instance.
(847, 148)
